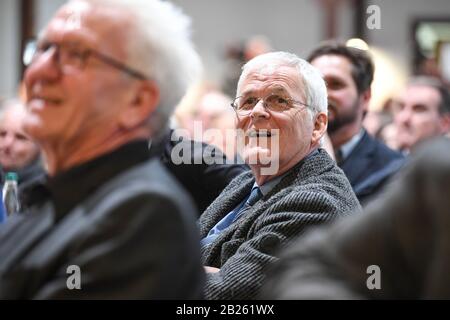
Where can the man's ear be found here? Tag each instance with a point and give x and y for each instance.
(445, 123)
(320, 127)
(143, 103)
(365, 100)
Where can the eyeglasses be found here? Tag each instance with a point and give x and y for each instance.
(274, 102)
(70, 56)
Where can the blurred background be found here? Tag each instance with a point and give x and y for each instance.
(406, 36)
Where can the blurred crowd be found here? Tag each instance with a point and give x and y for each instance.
(280, 182)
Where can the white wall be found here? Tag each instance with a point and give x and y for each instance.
(45, 10)
(296, 25)
(10, 55)
(291, 25)
(9, 33)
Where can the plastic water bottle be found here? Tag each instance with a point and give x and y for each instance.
(11, 194)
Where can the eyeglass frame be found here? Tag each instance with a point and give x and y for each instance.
(84, 56)
(290, 103)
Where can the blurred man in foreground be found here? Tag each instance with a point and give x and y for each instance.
(109, 222)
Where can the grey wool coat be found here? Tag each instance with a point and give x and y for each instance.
(313, 192)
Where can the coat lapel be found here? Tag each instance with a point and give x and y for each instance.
(359, 160)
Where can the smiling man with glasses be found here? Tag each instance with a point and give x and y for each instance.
(103, 79)
(281, 113)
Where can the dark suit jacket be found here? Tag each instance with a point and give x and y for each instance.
(27, 173)
(202, 178)
(369, 166)
(405, 232)
(314, 191)
(133, 238)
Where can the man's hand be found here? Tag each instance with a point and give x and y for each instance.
(211, 269)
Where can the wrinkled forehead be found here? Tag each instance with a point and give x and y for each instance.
(272, 77)
(80, 21)
(420, 94)
(333, 65)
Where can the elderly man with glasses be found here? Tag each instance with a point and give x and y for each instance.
(108, 222)
(281, 112)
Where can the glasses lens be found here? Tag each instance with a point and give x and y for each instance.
(244, 105)
(29, 52)
(277, 103)
(71, 56)
(273, 102)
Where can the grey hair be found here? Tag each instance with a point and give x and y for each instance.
(314, 85)
(8, 104)
(159, 45)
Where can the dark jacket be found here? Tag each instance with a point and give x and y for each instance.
(313, 192)
(132, 238)
(28, 174)
(369, 167)
(403, 239)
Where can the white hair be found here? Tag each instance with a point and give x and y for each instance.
(7, 105)
(314, 85)
(159, 45)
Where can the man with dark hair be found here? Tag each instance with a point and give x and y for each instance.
(348, 73)
(422, 111)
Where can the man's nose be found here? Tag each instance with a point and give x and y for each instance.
(6, 142)
(259, 110)
(403, 116)
(331, 92)
(45, 67)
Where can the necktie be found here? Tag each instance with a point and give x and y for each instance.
(255, 195)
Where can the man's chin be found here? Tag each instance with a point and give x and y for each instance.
(35, 127)
(337, 124)
(257, 156)
(7, 165)
(405, 141)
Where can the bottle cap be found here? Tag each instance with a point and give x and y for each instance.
(11, 176)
